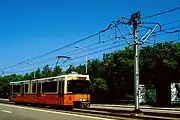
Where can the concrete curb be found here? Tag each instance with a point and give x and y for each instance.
(128, 115)
(141, 107)
(145, 113)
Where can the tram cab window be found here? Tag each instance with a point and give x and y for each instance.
(49, 87)
(16, 89)
(78, 86)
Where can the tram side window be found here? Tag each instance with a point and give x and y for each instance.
(16, 88)
(49, 87)
(34, 88)
(26, 88)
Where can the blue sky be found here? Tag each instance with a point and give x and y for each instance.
(32, 27)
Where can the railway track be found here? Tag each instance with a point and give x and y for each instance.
(97, 113)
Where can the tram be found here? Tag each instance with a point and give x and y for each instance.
(71, 90)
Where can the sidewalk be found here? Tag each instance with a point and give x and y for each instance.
(147, 110)
(1, 99)
(111, 106)
(153, 112)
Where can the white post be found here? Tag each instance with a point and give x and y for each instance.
(34, 74)
(86, 58)
(86, 62)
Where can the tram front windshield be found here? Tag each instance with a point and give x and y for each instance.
(78, 86)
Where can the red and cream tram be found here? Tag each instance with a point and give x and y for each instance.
(66, 90)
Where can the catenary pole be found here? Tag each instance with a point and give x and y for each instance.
(134, 21)
(136, 65)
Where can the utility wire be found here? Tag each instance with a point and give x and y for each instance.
(75, 51)
(114, 46)
(164, 31)
(160, 13)
(80, 41)
(39, 56)
(32, 63)
(71, 53)
(30, 69)
(170, 22)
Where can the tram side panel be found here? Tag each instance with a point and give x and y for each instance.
(16, 93)
(26, 94)
(49, 93)
(58, 92)
(20, 92)
(52, 93)
(49, 99)
(34, 98)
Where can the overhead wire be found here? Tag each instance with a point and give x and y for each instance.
(101, 46)
(39, 56)
(113, 43)
(74, 51)
(50, 58)
(114, 46)
(121, 36)
(32, 63)
(30, 69)
(161, 13)
(90, 45)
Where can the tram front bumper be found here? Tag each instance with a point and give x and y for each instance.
(81, 104)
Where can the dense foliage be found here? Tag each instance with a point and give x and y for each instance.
(112, 77)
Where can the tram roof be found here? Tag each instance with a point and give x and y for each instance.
(19, 82)
(60, 76)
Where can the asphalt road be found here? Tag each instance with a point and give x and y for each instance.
(13, 112)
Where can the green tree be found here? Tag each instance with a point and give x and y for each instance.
(113, 75)
(57, 71)
(46, 71)
(38, 73)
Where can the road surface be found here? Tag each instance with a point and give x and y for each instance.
(13, 112)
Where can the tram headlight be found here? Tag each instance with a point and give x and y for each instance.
(82, 99)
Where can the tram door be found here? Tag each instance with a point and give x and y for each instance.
(34, 96)
(22, 92)
(61, 92)
(38, 90)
